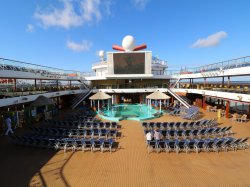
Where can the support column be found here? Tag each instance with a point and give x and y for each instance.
(227, 109)
(141, 98)
(228, 81)
(167, 102)
(58, 102)
(35, 84)
(41, 84)
(223, 82)
(204, 84)
(204, 102)
(14, 84)
(70, 84)
(57, 84)
(117, 99)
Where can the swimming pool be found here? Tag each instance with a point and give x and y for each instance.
(129, 111)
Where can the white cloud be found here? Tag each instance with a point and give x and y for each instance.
(140, 4)
(211, 41)
(30, 28)
(73, 13)
(91, 10)
(85, 45)
(65, 17)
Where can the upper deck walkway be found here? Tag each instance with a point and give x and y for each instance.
(130, 165)
(233, 67)
(23, 70)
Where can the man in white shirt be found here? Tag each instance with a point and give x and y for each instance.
(8, 124)
(149, 136)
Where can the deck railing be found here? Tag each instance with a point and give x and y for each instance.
(224, 65)
(13, 65)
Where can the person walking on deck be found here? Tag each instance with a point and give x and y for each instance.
(8, 124)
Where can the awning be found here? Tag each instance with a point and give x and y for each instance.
(42, 101)
(100, 96)
(157, 95)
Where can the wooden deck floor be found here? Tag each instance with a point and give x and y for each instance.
(130, 165)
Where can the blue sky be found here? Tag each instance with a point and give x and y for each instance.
(69, 33)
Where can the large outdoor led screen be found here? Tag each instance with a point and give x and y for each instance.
(129, 63)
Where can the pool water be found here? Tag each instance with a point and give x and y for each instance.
(129, 111)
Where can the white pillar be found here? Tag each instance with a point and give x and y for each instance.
(91, 103)
(108, 104)
(160, 105)
(98, 106)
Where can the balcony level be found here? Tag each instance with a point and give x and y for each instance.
(234, 67)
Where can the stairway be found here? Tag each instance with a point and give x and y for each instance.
(86, 86)
(186, 99)
(75, 102)
(175, 83)
(179, 98)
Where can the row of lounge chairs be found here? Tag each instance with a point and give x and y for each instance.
(175, 112)
(191, 113)
(83, 133)
(66, 143)
(84, 125)
(198, 145)
(191, 134)
(179, 125)
(85, 144)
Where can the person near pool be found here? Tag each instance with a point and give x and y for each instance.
(157, 135)
(149, 136)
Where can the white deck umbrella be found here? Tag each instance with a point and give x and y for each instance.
(157, 95)
(100, 96)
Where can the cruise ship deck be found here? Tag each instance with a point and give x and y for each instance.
(128, 165)
(137, 93)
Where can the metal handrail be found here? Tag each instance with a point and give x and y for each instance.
(227, 64)
(14, 65)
